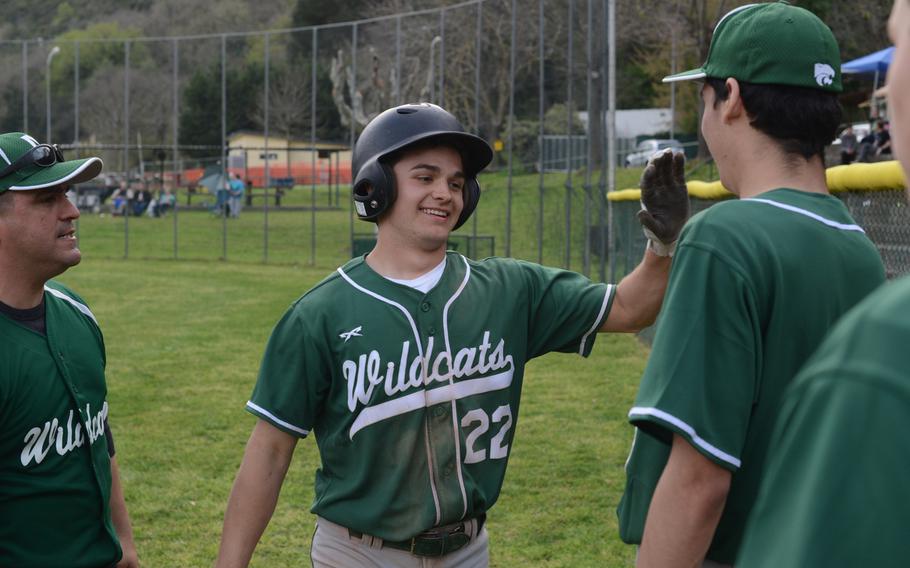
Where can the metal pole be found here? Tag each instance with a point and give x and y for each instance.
(602, 186)
(24, 86)
(47, 94)
(478, 39)
(175, 134)
(611, 126)
(224, 255)
(125, 154)
(511, 119)
(313, 149)
(265, 122)
(673, 71)
(76, 92)
(590, 147)
(353, 74)
(540, 119)
(442, 57)
(398, 60)
(568, 259)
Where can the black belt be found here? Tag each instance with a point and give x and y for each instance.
(437, 541)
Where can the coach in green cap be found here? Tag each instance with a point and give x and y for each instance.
(61, 502)
(755, 286)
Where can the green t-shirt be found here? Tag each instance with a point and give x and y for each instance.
(755, 286)
(414, 397)
(55, 474)
(836, 490)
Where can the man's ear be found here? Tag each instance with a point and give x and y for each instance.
(732, 108)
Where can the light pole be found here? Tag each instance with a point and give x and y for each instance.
(47, 75)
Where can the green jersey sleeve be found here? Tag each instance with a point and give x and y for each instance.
(565, 310)
(702, 374)
(294, 376)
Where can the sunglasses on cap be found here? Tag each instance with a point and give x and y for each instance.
(43, 155)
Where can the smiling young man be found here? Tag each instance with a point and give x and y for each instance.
(836, 493)
(60, 496)
(756, 284)
(407, 363)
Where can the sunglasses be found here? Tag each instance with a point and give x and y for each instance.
(43, 155)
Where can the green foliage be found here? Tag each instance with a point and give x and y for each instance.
(200, 109)
(94, 55)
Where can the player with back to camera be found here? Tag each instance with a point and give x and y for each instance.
(756, 284)
(61, 502)
(835, 492)
(407, 363)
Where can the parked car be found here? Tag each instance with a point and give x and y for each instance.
(647, 148)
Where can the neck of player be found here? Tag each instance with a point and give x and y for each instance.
(18, 292)
(403, 259)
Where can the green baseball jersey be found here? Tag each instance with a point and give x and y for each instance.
(55, 474)
(755, 285)
(835, 491)
(414, 397)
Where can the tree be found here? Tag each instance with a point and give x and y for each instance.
(200, 109)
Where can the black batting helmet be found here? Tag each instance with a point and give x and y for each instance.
(398, 128)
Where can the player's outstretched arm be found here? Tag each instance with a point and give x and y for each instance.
(665, 209)
(255, 493)
(121, 520)
(685, 509)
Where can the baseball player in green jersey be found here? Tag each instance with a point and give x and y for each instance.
(61, 502)
(756, 284)
(407, 363)
(835, 491)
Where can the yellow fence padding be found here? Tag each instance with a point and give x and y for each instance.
(855, 177)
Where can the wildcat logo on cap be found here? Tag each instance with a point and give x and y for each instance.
(824, 74)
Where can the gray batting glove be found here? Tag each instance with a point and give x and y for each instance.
(664, 201)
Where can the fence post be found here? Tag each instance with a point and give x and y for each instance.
(313, 151)
(224, 254)
(175, 103)
(540, 119)
(265, 122)
(511, 122)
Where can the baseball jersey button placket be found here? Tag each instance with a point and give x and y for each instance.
(425, 306)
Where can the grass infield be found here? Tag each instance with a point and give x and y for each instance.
(184, 341)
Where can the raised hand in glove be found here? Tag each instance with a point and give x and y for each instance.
(664, 201)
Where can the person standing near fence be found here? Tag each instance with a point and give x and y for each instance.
(61, 502)
(407, 363)
(235, 195)
(835, 492)
(756, 284)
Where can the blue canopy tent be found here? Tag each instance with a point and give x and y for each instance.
(877, 63)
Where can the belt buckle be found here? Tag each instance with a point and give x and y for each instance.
(434, 543)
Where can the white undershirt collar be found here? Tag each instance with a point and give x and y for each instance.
(425, 282)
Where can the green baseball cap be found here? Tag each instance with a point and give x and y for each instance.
(25, 164)
(772, 43)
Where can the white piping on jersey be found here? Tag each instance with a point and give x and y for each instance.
(640, 412)
(600, 314)
(419, 399)
(79, 306)
(251, 405)
(423, 367)
(455, 425)
(811, 215)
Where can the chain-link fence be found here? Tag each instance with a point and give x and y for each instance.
(281, 108)
(883, 214)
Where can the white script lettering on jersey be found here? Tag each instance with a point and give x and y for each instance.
(40, 440)
(364, 375)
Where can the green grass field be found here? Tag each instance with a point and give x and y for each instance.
(184, 341)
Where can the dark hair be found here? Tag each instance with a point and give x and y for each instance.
(427, 144)
(801, 120)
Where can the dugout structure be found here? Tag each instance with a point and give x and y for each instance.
(874, 193)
